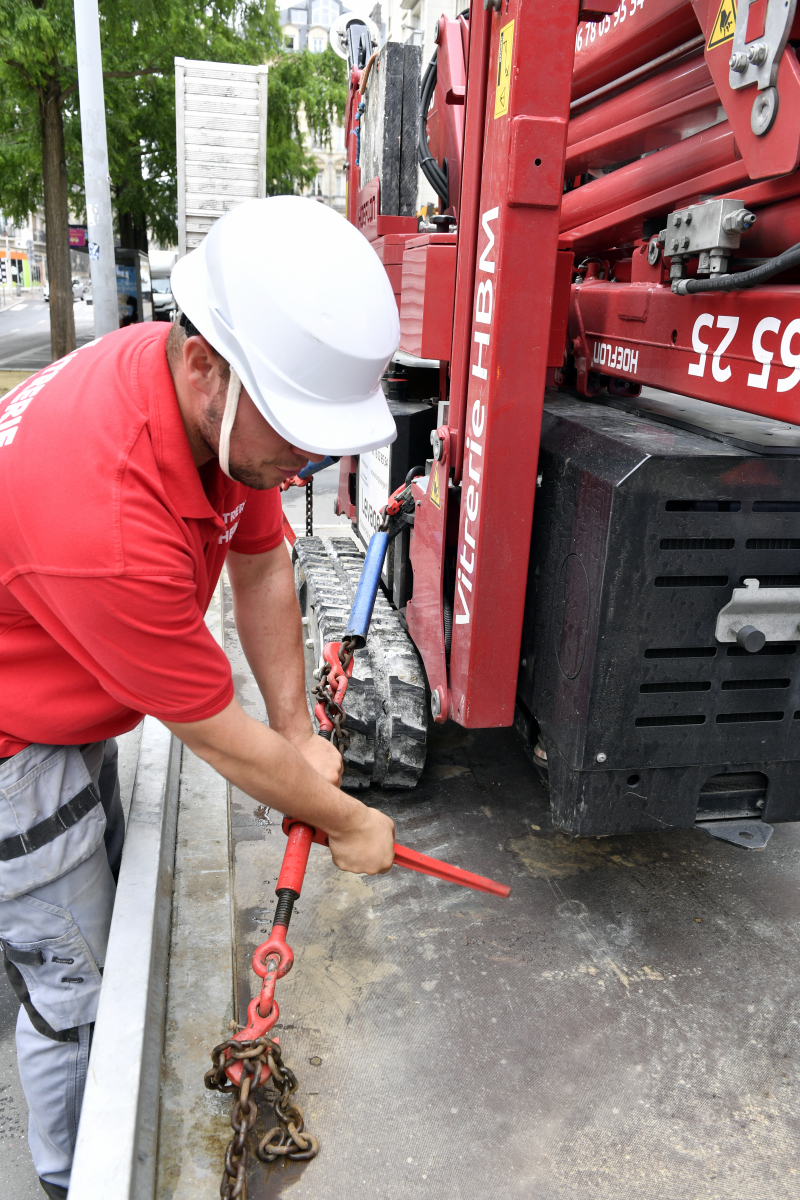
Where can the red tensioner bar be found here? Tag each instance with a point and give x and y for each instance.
(403, 857)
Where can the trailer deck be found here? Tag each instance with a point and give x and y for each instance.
(625, 1025)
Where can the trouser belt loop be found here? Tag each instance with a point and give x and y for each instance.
(51, 827)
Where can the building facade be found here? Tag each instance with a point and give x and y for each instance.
(23, 252)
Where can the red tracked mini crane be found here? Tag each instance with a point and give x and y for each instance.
(600, 331)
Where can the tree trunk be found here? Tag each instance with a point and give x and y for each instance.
(132, 231)
(56, 211)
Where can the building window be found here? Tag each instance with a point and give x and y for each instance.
(317, 45)
(340, 183)
(318, 188)
(324, 12)
(289, 43)
(298, 16)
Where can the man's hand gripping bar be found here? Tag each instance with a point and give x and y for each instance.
(403, 857)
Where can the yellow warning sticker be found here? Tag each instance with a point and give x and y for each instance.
(504, 70)
(434, 493)
(724, 24)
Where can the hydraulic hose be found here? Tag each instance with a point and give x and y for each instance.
(434, 174)
(740, 280)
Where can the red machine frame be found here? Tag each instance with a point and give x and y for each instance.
(529, 96)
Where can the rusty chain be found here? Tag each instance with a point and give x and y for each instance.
(287, 1139)
(325, 691)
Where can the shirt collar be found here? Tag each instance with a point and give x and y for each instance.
(173, 454)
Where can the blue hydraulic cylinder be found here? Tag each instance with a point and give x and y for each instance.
(367, 590)
(311, 468)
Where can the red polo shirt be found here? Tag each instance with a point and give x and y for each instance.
(111, 545)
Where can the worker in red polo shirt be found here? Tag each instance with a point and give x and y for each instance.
(130, 471)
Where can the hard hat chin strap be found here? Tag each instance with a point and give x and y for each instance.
(228, 418)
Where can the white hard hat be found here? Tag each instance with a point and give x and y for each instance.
(298, 302)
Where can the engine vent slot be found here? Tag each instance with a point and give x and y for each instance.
(743, 718)
(741, 794)
(663, 722)
(698, 543)
(773, 580)
(776, 506)
(703, 685)
(704, 506)
(683, 652)
(685, 581)
(769, 544)
(775, 649)
(752, 685)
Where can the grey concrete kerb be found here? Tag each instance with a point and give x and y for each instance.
(115, 1157)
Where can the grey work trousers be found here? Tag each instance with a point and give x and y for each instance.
(64, 924)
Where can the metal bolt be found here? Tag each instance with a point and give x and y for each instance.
(757, 54)
(436, 703)
(436, 33)
(750, 638)
(436, 443)
(674, 243)
(688, 218)
(310, 643)
(764, 111)
(676, 220)
(524, 662)
(653, 252)
(738, 62)
(601, 757)
(684, 243)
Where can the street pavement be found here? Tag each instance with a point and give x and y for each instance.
(25, 331)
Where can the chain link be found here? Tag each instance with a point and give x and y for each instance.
(310, 507)
(326, 695)
(262, 1065)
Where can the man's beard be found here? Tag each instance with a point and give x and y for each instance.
(210, 425)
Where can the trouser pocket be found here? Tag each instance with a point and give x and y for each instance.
(55, 942)
(61, 981)
(51, 818)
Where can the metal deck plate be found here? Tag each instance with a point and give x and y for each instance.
(626, 1025)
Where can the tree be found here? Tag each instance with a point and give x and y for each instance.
(38, 78)
(40, 154)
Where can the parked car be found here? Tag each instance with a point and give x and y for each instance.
(80, 291)
(163, 301)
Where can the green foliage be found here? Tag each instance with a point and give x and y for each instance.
(140, 39)
(318, 82)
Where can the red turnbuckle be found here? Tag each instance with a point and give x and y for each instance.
(414, 861)
(273, 959)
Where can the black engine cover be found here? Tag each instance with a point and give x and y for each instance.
(641, 531)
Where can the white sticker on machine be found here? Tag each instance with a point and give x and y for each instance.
(373, 489)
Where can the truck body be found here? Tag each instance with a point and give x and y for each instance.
(613, 452)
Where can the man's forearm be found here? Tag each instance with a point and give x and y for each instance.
(267, 767)
(270, 630)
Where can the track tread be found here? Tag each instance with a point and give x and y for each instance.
(386, 700)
